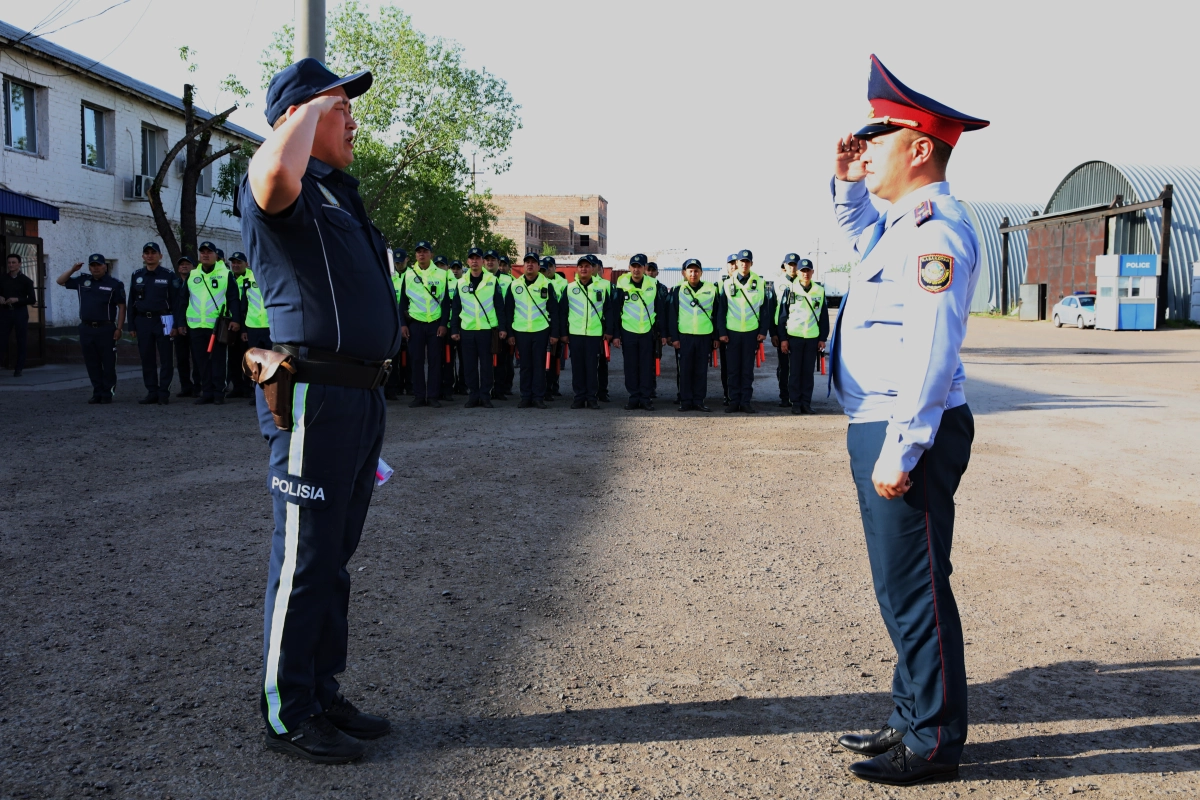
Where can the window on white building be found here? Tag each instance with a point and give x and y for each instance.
(152, 150)
(92, 142)
(20, 117)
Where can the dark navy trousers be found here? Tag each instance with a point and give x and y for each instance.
(638, 350)
(154, 348)
(531, 349)
(694, 352)
(586, 355)
(802, 355)
(477, 363)
(425, 348)
(189, 377)
(209, 365)
(783, 372)
(908, 545)
(602, 372)
(740, 352)
(100, 357)
(321, 476)
(15, 320)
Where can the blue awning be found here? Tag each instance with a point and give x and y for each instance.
(18, 205)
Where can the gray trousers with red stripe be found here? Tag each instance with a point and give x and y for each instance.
(908, 544)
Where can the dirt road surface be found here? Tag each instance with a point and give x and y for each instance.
(576, 604)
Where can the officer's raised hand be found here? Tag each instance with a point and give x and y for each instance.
(847, 164)
(77, 265)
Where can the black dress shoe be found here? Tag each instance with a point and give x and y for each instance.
(646, 404)
(539, 403)
(686, 406)
(106, 398)
(485, 403)
(902, 767)
(525, 404)
(632, 405)
(349, 719)
(604, 398)
(578, 404)
(417, 402)
(784, 403)
(317, 740)
(593, 404)
(730, 408)
(749, 409)
(472, 403)
(434, 403)
(164, 399)
(94, 400)
(872, 744)
(702, 407)
(148, 400)
(807, 409)
(797, 410)
(219, 399)
(16, 373)
(203, 401)
(725, 400)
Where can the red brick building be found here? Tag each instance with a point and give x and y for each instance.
(573, 224)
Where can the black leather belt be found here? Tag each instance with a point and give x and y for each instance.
(95, 324)
(150, 314)
(333, 369)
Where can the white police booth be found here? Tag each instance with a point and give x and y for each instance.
(1127, 292)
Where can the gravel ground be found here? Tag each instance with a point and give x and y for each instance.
(614, 604)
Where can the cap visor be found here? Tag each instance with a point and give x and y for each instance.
(355, 84)
(871, 131)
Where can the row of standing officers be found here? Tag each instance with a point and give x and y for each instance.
(489, 316)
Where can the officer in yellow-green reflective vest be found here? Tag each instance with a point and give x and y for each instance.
(212, 293)
(531, 312)
(691, 307)
(256, 331)
(742, 323)
(606, 286)
(804, 319)
(587, 328)
(400, 378)
(503, 377)
(558, 282)
(638, 306)
(425, 312)
(474, 322)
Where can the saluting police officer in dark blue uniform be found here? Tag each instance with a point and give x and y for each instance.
(896, 371)
(325, 278)
(155, 292)
(101, 318)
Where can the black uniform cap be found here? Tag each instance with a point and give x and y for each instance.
(638, 259)
(584, 260)
(152, 246)
(207, 246)
(531, 256)
(692, 262)
(474, 251)
(306, 79)
(399, 255)
(745, 255)
(184, 257)
(548, 262)
(491, 254)
(238, 256)
(440, 260)
(791, 258)
(805, 264)
(454, 264)
(96, 258)
(423, 246)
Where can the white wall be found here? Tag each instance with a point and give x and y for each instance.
(94, 216)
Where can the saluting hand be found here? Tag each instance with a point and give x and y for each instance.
(76, 265)
(847, 164)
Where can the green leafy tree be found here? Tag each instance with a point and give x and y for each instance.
(549, 249)
(425, 110)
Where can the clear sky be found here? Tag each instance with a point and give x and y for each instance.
(711, 126)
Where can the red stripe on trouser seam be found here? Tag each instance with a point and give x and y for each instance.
(936, 621)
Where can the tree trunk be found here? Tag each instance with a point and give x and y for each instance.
(187, 197)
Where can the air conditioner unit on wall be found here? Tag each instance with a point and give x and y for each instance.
(138, 187)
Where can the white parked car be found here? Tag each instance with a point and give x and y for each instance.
(1078, 310)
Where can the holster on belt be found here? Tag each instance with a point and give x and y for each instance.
(276, 374)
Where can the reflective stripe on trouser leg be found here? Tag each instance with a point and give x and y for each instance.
(283, 590)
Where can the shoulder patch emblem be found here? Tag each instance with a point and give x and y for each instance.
(935, 272)
(923, 213)
(328, 195)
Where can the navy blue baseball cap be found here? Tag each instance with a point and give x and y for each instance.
(183, 258)
(531, 256)
(440, 260)
(791, 258)
(423, 246)
(505, 260)
(475, 252)
(586, 259)
(548, 262)
(732, 257)
(399, 255)
(152, 246)
(692, 262)
(638, 259)
(652, 264)
(491, 254)
(207, 246)
(220, 254)
(306, 79)
(745, 255)
(96, 258)
(596, 260)
(238, 256)
(805, 264)
(454, 264)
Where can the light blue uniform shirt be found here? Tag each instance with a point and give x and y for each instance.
(895, 347)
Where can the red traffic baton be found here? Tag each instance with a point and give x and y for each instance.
(493, 359)
(447, 354)
(607, 351)
(822, 365)
(657, 367)
(212, 340)
(547, 359)
(714, 354)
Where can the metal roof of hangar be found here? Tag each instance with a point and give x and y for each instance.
(1099, 181)
(986, 219)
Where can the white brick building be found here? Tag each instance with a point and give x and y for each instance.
(76, 136)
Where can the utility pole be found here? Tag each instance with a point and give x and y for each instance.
(817, 253)
(474, 172)
(310, 30)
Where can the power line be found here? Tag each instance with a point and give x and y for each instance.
(127, 35)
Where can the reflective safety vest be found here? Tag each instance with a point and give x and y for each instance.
(398, 285)
(478, 304)
(696, 308)
(505, 279)
(789, 282)
(452, 284)
(425, 289)
(637, 312)
(256, 312)
(744, 302)
(804, 310)
(206, 296)
(531, 304)
(560, 284)
(585, 309)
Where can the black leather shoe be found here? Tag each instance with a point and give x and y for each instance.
(434, 403)
(94, 400)
(578, 404)
(702, 407)
(164, 399)
(784, 403)
(646, 404)
(472, 403)
(872, 744)
(539, 403)
(349, 719)
(203, 401)
(219, 399)
(725, 400)
(685, 406)
(486, 404)
(730, 408)
(317, 740)
(797, 410)
(749, 409)
(902, 767)
(593, 404)
(632, 405)
(604, 398)
(525, 404)
(148, 400)
(807, 409)
(106, 398)
(417, 402)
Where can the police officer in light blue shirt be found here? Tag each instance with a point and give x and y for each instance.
(897, 373)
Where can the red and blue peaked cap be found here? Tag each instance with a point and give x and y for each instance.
(894, 105)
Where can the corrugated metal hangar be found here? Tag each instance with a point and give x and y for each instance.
(1097, 209)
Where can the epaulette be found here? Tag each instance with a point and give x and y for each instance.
(923, 213)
